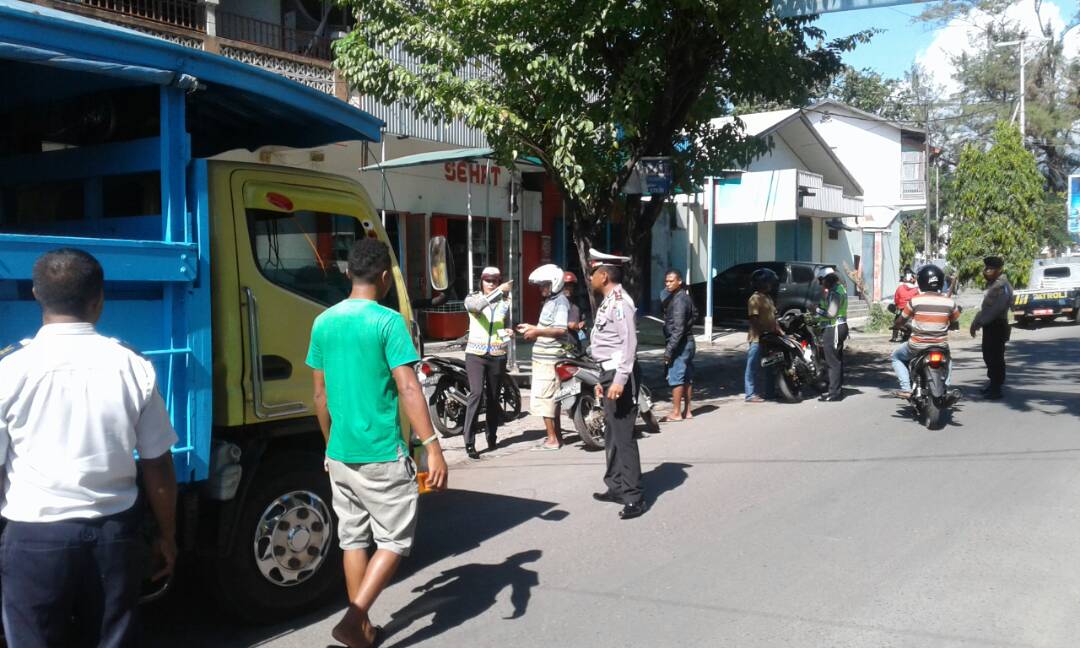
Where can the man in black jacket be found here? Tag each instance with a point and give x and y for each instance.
(679, 352)
(993, 319)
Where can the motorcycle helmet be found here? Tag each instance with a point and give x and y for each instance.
(764, 280)
(548, 273)
(823, 274)
(569, 278)
(909, 276)
(491, 273)
(931, 278)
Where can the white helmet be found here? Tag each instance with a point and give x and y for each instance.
(548, 273)
(822, 273)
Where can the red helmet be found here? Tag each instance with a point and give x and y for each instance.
(569, 277)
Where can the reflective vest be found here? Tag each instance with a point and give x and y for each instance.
(841, 313)
(484, 327)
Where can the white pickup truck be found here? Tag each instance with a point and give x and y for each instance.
(1055, 291)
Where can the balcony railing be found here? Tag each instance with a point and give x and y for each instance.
(188, 14)
(913, 190)
(274, 36)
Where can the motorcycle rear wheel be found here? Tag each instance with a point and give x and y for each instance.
(933, 415)
(448, 415)
(786, 388)
(590, 424)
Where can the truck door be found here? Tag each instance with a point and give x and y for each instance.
(293, 241)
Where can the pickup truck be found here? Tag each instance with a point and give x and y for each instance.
(798, 290)
(1055, 292)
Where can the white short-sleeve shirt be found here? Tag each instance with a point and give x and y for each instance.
(74, 408)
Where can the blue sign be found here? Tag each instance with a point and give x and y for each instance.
(1073, 206)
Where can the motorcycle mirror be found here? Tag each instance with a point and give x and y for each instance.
(440, 263)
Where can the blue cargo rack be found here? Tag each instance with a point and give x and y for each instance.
(157, 266)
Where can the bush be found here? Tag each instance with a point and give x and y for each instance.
(879, 320)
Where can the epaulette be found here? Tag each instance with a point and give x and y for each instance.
(8, 350)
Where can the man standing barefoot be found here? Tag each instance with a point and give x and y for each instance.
(362, 357)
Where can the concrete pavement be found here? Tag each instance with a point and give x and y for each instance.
(815, 524)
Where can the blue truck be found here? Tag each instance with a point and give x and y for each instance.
(214, 270)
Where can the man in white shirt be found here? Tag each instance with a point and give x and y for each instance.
(74, 408)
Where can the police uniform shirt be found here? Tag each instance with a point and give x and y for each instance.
(614, 335)
(74, 407)
(996, 302)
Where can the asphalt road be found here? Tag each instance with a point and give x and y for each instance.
(815, 524)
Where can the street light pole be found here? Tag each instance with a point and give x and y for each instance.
(1023, 79)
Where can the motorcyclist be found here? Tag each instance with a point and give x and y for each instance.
(904, 292)
(931, 314)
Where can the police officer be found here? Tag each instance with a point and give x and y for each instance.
(993, 319)
(832, 311)
(614, 345)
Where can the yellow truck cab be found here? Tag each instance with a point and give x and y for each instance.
(214, 270)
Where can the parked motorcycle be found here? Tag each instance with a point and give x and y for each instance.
(797, 357)
(446, 390)
(578, 377)
(930, 396)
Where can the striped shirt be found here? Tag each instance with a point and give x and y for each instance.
(554, 314)
(930, 314)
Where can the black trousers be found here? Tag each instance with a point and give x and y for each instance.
(485, 374)
(995, 335)
(71, 583)
(833, 340)
(623, 476)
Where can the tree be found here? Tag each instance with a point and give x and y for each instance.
(591, 86)
(998, 195)
(907, 247)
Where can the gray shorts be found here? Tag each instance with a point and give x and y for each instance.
(375, 501)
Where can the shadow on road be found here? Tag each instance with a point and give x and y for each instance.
(451, 523)
(663, 478)
(463, 593)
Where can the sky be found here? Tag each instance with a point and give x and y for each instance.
(904, 42)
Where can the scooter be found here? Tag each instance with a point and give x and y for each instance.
(930, 395)
(578, 376)
(797, 357)
(902, 333)
(446, 390)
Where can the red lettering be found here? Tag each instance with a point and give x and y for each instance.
(461, 172)
(495, 173)
(449, 171)
(475, 173)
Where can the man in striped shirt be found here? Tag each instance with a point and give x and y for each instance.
(930, 313)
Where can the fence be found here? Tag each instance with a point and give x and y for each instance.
(273, 35)
(188, 14)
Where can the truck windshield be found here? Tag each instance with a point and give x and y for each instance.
(307, 252)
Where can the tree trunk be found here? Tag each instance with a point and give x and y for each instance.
(640, 217)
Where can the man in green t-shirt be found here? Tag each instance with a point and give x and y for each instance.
(362, 357)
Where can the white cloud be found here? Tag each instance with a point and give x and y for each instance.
(954, 38)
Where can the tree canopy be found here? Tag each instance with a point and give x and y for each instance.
(591, 86)
(998, 202)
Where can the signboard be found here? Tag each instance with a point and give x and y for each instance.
(1073, 206)
(651, 175)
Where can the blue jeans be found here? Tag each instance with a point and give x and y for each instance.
(900, 359)
(753, 374)
(681, 371)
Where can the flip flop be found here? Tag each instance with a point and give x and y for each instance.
(665, 419)
(544, 446)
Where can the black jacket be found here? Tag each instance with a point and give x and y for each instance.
(678, 320)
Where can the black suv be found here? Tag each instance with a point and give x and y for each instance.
(798, 291)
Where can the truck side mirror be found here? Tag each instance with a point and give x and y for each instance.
(440, 264)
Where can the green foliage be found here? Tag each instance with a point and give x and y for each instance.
(907, 247)
(879, 320)
(997, 197)
(591, 86)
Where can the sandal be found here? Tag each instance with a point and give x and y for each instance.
(545, 446)
(668, 419)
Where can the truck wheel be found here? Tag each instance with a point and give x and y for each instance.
(589, 422)
(285, 558)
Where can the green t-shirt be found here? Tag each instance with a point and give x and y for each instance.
(357, 343)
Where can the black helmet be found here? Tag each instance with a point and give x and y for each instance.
(764, 280)
(931, 278)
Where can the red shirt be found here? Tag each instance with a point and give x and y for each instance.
(904, 293)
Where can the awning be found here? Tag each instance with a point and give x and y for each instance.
(441, 157)
(230, 104)
(837, 224)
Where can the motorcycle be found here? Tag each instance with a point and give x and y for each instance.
(797, 356)
(930, 396)
(578, 376)
(902, 333)
(446, 390)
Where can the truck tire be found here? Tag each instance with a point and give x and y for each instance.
(284, 558)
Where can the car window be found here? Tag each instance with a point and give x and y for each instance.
(1057, 273)
(801, 274)
(780, 269)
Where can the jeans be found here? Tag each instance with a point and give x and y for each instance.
(900, 359)
(752, 376)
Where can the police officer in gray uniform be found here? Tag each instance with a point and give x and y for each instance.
(993, 319)
(614, 345)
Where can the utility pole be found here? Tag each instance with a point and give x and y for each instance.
(1023, 82)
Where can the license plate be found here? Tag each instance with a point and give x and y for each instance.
(567, 390)
(1043, 311)
(771, 360)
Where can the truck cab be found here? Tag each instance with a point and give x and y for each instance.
(214, 270)
(1054, 292)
